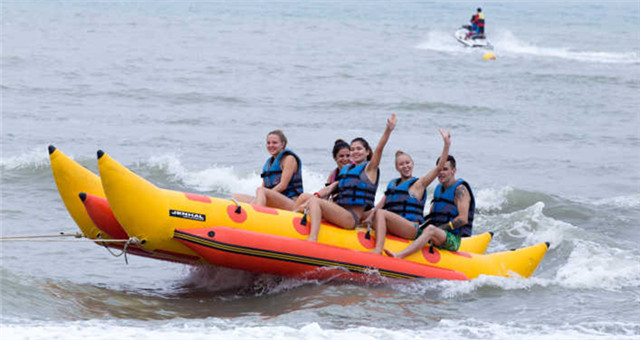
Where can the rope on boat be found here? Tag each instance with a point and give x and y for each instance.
(78, 237)
(32, 237)
(131, 240)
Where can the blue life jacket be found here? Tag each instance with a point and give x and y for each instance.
(355, 188)
(271, 173)
(399, 200)
(444, 209)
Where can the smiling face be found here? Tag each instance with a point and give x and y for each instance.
(446, 176)
(343, 158)
(274, 144)
(359, 153)
(404, 165)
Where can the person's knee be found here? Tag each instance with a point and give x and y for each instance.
(314, 201)
(430, 230)
(304, 197)
(315, 206)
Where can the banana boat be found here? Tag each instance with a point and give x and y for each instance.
(246, 250)
(102, 216)
(71, 179)
(82, 193)
(262, 239)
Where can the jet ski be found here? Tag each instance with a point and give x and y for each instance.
(467, 37)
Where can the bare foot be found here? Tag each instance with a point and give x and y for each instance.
(378, 252)
(390, 253)
(312, 239)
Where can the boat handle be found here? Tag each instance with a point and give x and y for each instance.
(303, 220)
(239, 208)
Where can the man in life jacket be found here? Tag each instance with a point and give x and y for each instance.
(450, 217)
(477, 23)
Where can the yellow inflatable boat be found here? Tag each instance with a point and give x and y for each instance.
(269, 240)
(81, 192)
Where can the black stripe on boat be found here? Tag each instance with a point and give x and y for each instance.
(275, 255)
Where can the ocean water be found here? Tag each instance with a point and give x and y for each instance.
(183, 93)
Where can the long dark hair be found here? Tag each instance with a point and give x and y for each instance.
(339, 145)
(365, 144)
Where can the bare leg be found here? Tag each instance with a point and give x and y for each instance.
(300, 202)
(394, 224)
(431, 233)
(316, 218)
(272, 198)
(261, 196)
(399, 226)
(380, 227)
(243, 198)
(319, 209)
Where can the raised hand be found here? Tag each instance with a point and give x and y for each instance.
(391, 122)
(446, 136)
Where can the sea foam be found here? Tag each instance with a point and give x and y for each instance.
(441, 41)
(492, 199)
(526, 227)
(626, 201)
(594, 266)
(466, 328)
(222, 179)
(507, 42)
(35, 158)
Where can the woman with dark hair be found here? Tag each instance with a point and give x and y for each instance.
(281, 176)
(341, 154)
(355, 188)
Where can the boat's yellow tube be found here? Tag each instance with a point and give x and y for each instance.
(71, 179)
(152, 215)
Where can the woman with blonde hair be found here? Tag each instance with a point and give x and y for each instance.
(281, 176)
(401, 210)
